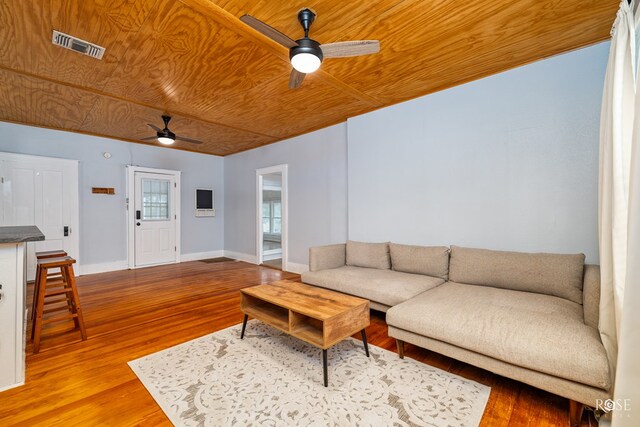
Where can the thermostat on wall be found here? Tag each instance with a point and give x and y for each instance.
(204, 202)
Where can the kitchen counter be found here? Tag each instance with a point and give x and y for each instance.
(13, 314)
(27, 233)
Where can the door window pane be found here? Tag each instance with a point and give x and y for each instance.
(266, 228)
(155, 199)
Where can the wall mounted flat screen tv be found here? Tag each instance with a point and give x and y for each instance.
(204, 202)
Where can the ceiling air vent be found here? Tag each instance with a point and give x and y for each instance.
(78, 45)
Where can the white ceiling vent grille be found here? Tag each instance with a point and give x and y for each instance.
(78, 45)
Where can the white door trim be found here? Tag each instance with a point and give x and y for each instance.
(131, 217)
(283, 169)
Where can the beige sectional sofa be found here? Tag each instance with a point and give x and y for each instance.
(530, 317)
(365, 270)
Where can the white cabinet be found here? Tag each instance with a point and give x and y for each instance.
(12, 314)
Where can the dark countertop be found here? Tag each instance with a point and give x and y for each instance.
(26, 233)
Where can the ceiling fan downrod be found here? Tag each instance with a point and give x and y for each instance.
(166, 119)
(306, 18)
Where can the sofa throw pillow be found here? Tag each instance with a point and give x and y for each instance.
(550, 274)
(369, 255)
(428, 260)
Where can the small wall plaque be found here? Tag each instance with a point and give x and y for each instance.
(103, 190)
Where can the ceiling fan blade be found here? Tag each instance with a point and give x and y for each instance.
(268, 31)
(193, 141)
(150, 138)
(154, 127)
(351, 48)
(295, 79)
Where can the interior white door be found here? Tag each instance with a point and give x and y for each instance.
(155, 219)
(41, 191)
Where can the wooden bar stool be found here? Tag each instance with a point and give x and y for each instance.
(50, 254)
(43, 255)
(50, 289)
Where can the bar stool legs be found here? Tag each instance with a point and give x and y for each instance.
(78, 319)
(37, 324)
(63, 285)
(36, 284)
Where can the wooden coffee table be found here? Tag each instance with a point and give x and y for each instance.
(318, 316)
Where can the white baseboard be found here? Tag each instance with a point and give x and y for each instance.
(103, 267)
(196, 256)
(293, 267)
(251, 259)
(124, 265)
(9, 387)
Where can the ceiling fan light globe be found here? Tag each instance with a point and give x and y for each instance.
(305, 62)
(165, 140)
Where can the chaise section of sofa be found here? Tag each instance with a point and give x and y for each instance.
(366, 270)
(530, 317)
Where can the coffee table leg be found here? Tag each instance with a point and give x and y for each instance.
(324, 367)
(364, 341)
(244, 325)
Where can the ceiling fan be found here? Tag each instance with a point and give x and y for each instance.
(306, 54)
(165, 136)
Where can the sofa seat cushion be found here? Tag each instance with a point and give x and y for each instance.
(382, 286)
(539, 332)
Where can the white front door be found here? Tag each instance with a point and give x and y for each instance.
(41, 191)
(155, 219)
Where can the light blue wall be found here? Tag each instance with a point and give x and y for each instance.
(317, 191)
(507, 162)
(103, 218)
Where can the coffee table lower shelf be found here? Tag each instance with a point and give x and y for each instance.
(323, 331)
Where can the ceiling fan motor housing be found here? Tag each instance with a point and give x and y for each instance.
(166, 133)
(306, 45)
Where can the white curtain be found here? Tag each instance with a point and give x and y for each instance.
(619, 214)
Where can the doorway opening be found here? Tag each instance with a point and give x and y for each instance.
(153, 216)
(271, 233)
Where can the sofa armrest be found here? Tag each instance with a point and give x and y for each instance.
(591, 295)
(326, 257)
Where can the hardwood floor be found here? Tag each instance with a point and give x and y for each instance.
(273, 263)
(129, 314)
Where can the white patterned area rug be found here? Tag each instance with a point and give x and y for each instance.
(272, 379)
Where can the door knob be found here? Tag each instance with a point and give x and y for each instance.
(138, 224)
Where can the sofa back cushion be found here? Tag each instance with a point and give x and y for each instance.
(428, 260)
(368, 255)
(550, 274)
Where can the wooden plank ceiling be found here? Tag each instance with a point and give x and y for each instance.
(226, 84)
